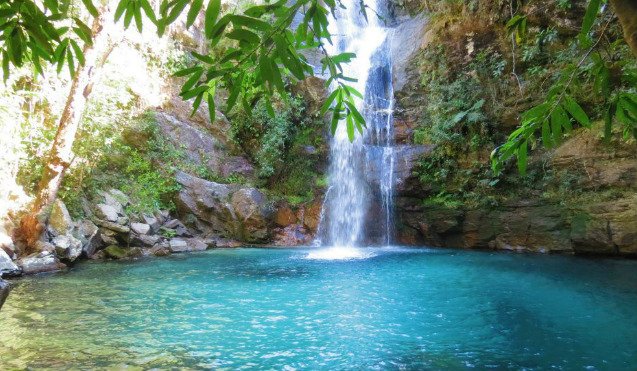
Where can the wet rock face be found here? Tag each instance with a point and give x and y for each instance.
(202, 148)
(406, 39)
(406, 156)
(601, 220)
(232, 211)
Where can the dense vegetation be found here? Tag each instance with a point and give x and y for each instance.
(532, 63)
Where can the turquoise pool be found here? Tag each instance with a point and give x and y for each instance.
(390, 308)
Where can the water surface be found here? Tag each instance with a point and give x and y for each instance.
(275, 308)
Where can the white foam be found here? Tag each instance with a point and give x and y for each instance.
(340, 253)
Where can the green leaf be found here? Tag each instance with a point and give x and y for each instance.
(138, 18)
(192, 81)
(84, 31)
(128, 16)
(71, 64)
(608, 124)
(16, 46)
(178, 7)
(356, 115)
(328, 102)
(563, 119)
(78, 52)
(350, 128)
(253, 23)
(546, 134)
(203, 58)
(194, 92)
(353, 91)
(211, 107)
(243, 35)
(148, 10)
(589, 20)
(196, 104)
(556, 127)
(121, 7)
(5, 65)
(522, 157)
(276, 77)
(212, 12)
(90, 7)
(336, 116)
(187, 71)
(265, 68)
(195, 8)
(575, 110)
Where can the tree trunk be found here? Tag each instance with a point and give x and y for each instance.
(626, 11)
(60, 156)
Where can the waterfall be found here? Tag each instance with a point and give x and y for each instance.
(359, 198)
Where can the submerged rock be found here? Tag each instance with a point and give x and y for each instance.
(40, 263)
(178, 245)
(118, 252)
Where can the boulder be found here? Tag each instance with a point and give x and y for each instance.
(6, 243)
(107, 236)
(117, 252)
(60, 221)
(40, 263)
(89, 234)
(145, 240)
(112, 226)
(92, 244)
(153, 223)
(86, 228)
(312, 215)
(7, 266)
(313, 91)
(106, 212)
(5, 287)
(159, 250)
(44, 246)
(284, 216)
(292, 235)
(178, 245)
(201, 148)
(67, 247)
(232, 211)
(223, 242)
(250, 207)
(140, 228)
(178, 228)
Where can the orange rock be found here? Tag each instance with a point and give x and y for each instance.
(284, 216)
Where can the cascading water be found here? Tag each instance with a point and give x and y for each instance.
(360, 173)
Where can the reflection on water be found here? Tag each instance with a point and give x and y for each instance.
(397, 308)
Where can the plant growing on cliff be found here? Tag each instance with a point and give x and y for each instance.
(554, 118)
